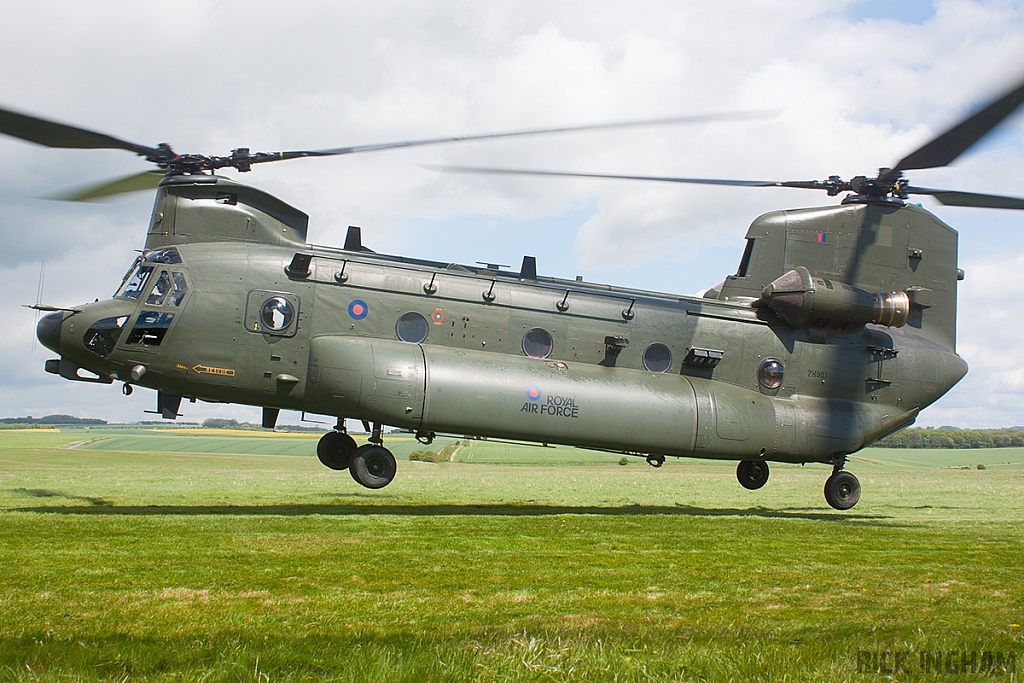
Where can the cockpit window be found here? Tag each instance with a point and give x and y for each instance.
(160, 290)
(135, 283)
(169, 290)
(102, 337)
(150, 328)
(168, 256)
(178, 292)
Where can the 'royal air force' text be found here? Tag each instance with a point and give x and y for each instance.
(555, 406)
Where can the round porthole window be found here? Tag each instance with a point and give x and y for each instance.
(277, 314)
(770, 372)
(657, 358)
(412, 328)
(537, 343)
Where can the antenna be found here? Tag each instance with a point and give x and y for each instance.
(39, 300)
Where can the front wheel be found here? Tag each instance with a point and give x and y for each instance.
(842, 490)
(373, 466)
(752, 474)
(335, 450)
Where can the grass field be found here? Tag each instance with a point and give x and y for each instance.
(196, 556)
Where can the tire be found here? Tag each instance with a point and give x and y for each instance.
(842, 490)
(752, 474)
(335, 450)
(373, 466)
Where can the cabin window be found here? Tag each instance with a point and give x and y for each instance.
(412, 328)
(537, 343)
(657, 358)
(770, 373)
(135, 283)
(277, 313)
(150, 328)
(102, 337)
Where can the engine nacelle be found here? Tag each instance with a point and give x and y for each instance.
(803, 300)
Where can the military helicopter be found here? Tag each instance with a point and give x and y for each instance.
(837, 329)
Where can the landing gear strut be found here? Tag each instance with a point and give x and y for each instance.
(371, 464)
(842, 490)
(752, 474)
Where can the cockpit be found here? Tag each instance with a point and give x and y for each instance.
(157, 278)
(137, 277)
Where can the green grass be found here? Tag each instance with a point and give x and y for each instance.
(157, 565)
(198, 441)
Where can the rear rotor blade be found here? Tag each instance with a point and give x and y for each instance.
(53, 134)
(944, 149)
(147, 180)
(956, 198)
(606, 176)
(804, 184)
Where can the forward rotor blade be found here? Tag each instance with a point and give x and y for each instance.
(147, 180)
(606, 176)
(702, 118)
(805, 184)
(956, 198)
(944, 149)
(53, 134)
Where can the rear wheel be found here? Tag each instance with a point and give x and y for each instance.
(842, 490)
(752, 474)
(655, 460)
(373, 466)
(335, 450)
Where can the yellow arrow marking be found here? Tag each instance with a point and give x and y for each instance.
(207, 370)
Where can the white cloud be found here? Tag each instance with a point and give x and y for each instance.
(853, 95)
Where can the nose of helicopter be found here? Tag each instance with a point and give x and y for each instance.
(48, 330)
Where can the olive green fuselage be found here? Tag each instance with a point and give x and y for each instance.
(341, 353)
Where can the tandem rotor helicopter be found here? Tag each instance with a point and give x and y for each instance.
(837, 329)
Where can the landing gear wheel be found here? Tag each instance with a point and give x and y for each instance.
(335, 450)
(753, 474)
(842, 490)
(655, 460)
(372, 466)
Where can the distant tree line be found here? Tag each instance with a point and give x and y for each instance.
(221, 423)
(951, 437)
(52, 420)
(230, 423)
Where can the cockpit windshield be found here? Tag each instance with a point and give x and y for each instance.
(135, 282)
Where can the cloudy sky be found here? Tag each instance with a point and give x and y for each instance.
(857, 85)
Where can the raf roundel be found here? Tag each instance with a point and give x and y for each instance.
(358, 309)
(533, 393)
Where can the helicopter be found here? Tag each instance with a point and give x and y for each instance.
(836, 330)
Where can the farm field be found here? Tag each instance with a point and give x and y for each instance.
(202, 555)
